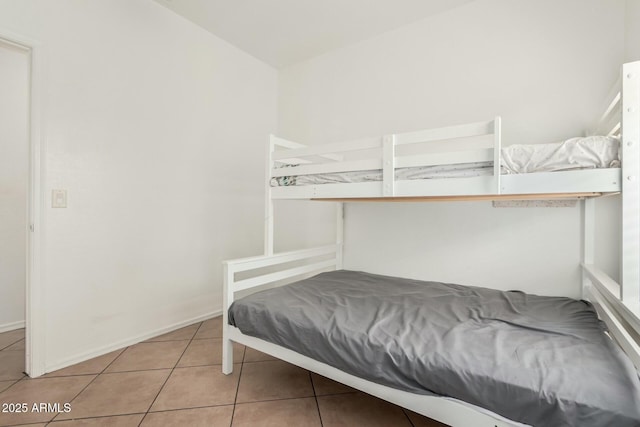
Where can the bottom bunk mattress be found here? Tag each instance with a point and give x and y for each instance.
(543, 361)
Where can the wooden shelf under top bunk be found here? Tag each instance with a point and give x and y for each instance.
(482, 197)
(577, 184)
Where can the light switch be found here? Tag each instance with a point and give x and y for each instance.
(59, 198)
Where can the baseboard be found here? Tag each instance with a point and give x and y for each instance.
(129, 341)
(11, 326)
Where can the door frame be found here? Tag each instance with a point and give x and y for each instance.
(35, 302)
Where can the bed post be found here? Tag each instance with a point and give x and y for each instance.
(497, 152)
(389, 165)
(268, 203)
(339, 234)
(227, 299)
(630, 140)
(588, 239)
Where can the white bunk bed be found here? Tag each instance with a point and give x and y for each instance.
(617, 304)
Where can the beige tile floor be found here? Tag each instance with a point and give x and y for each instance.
(175, 380)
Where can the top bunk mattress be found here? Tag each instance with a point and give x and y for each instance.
(542, 361)
(576, 153)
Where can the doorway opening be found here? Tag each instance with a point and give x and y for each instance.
(20, 219)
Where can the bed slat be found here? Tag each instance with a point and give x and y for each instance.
(251, 263)
(282, 275)
(316, 150)
(281, 142)
(442, 134)
(350, 166)
(610, 290)
(458, 157)
(619, 332)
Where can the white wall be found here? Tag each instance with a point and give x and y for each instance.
(14, 145)
(156, 128)
(632, 31)
(543, 65)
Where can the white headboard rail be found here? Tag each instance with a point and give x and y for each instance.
(619, 303)
(630, 154)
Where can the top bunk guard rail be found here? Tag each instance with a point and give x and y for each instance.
(383, 155)
(619, 304)
(387, 154)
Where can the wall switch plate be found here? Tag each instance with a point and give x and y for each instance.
(58, 198)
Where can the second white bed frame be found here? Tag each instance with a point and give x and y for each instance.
(617, 304)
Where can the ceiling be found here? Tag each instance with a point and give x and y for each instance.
(284, 32)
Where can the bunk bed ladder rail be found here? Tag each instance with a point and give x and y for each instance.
(619, 304)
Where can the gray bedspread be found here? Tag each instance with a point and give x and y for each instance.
(543, 361)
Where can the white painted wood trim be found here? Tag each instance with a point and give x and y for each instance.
(359, 189)
(588, 239)
(578, 181)
(281, 142)
(450, 158)
(12, 326)
(99, 351)
(268, 202)
(310, 169)
(631, 183)
(264, 279)
(497, 153)
(616, 328)
(600, 279)
(35, 287)
(388, 165)
(227, 300)
(610, 290)
(339, 235)
(444, 133)
(285, 143)
(251, 263)
(324, 149)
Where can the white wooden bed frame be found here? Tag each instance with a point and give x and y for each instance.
(617, 304)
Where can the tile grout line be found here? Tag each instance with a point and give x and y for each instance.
(133, 413)
(170, 373)
(97, 417)
(11, 345)
(90, 382)
(4, 348)
(315, 396)
(15, 380)
(283, 398)
(235, 399)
